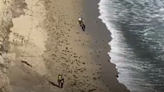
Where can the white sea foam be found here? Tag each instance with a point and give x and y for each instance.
(134, 71)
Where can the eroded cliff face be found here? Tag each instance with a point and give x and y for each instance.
(9, 9)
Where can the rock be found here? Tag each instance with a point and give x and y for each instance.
(1, 60)
(4, 70)
(3, 80)
(1, 46)
(1, 40)
(4, 1)
(0, 43)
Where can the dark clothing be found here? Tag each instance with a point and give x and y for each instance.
(62, 83)
(81, 22)
(59, 81)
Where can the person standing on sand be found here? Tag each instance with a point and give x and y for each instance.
(81, 23)
(60, 81)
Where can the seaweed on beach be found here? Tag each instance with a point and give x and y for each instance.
(26, 63)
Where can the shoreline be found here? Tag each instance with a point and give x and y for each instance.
(104, 37)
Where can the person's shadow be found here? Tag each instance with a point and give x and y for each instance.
(52, 83)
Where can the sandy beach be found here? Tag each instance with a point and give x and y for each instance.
(42, 40)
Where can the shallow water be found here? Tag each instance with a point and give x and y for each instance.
(137, 31)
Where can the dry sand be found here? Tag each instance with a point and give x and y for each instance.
(45, 41)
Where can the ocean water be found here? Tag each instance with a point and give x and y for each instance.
(137, 45)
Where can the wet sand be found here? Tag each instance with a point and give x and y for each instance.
(45, 41)
(100, 37)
